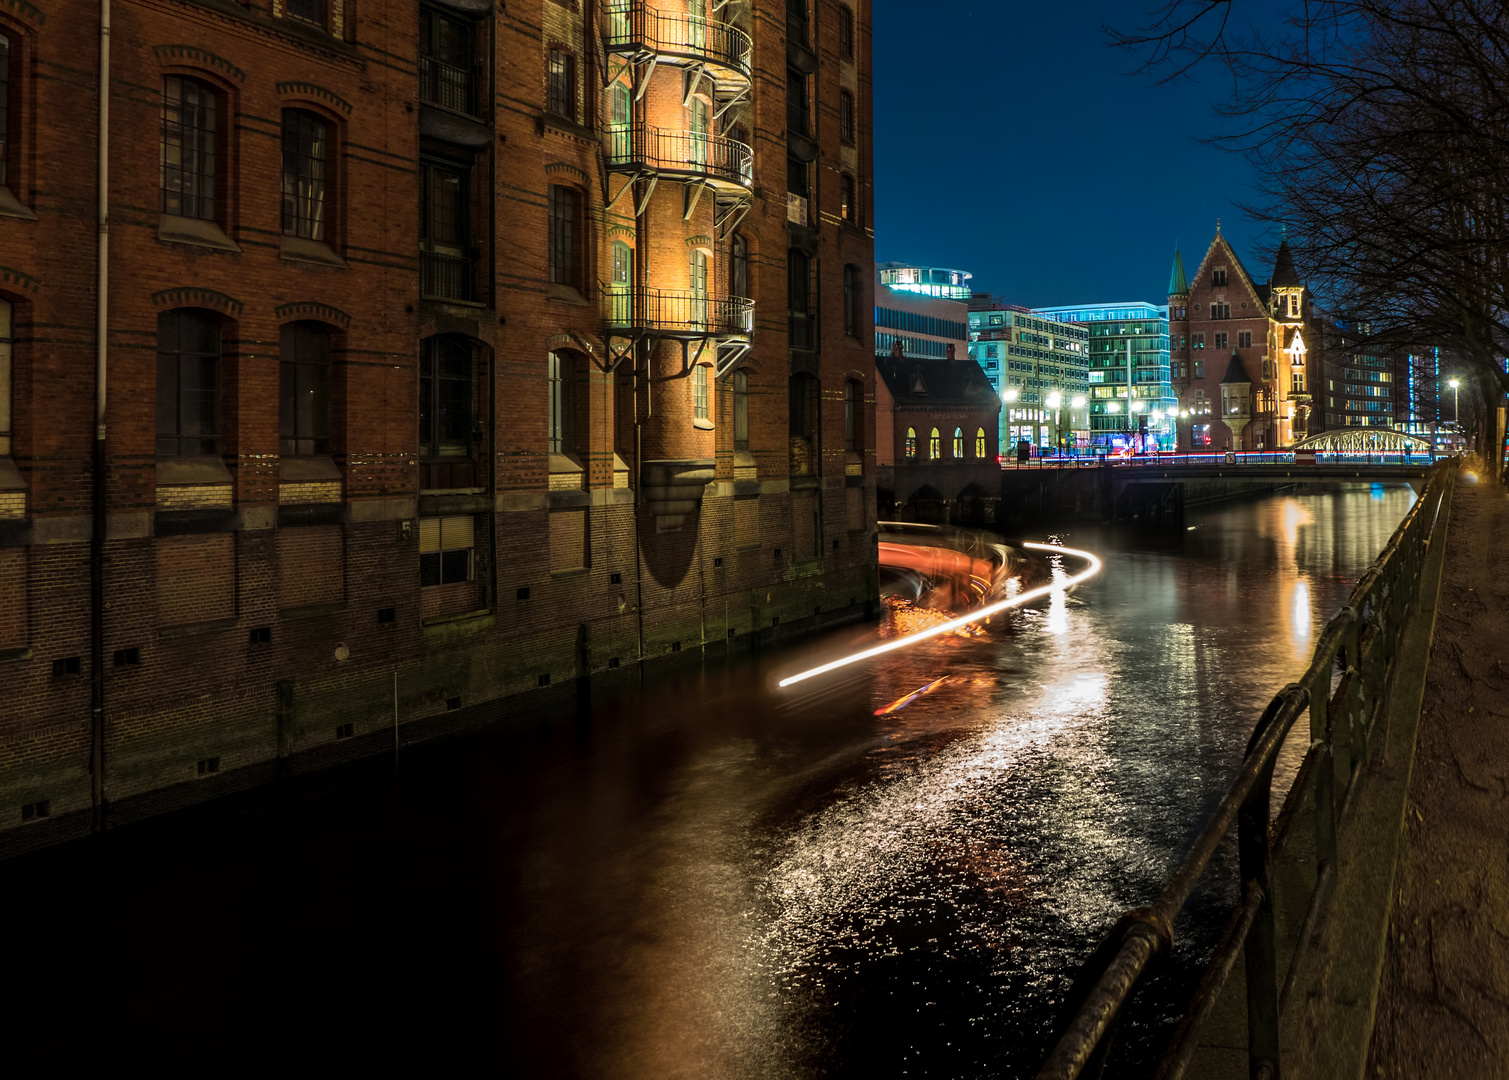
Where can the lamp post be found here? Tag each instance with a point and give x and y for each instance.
(1078, 402)
(1136, 407)
(1184, 415)
(1055, 401)
(1456, 401)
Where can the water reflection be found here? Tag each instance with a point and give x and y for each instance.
(711, 880)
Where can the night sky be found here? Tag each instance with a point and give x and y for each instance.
(1010, 142)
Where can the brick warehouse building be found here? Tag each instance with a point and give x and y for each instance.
(1244, 355)
(453, 350)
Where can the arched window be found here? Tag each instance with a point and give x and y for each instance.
(304, 389)
(187, 151)
(188, 383)
(741, 411)
(306, 150)
(958, 443)
(738, 267)
(934, 446)
(6, 330)
(562, 403)
(620, 120)
(980, 443)
(700, 410)
(621, 284)
(911, 444)
(697, 279)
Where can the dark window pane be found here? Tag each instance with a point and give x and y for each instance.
(187, 151)
(188, 383)
(562, 97)
(445, 398)
(455, 566)
(310, 11)
(563, 233)
(4, 105)
(304, 405)
(429, 569)
(305, 146)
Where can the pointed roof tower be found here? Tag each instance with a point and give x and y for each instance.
(1284, 275)
(1235, 373)
(1178, 284)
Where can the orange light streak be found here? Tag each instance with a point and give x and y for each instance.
(963, 620)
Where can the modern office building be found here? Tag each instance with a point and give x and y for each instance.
(920, 308)
(1132, 401)
(454, 350)
(1040, 369)
(1358, 386)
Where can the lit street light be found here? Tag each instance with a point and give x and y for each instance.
(1456, 401)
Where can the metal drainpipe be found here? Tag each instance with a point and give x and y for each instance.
(97, 532)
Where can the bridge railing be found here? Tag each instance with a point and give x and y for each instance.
(1083, 459)
(1360, 642)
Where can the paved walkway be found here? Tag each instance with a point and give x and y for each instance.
(1443, 1009)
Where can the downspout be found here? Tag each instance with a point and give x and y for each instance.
(97, 532)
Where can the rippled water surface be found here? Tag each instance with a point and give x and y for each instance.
(712, 878)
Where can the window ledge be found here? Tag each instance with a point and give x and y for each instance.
(567, 126)
(568, 572)
(173, 229)
(10, 206)
(297, 249)
(464, 617)
(10, 476)
(566, 295)
(296, 470)
(314, 611)
(703, 425)
(188, 471)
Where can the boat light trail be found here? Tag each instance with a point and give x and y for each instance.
(963, 620)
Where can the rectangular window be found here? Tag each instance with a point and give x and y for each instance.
(798, 299)
(1221, 341)
(308, 11)
(699, 392)
(1218, 278)
(846, 205)
(562, 97)
(846, 117)
(445, 398)
(562, 402)
(1199, 369)
(445, 255)
(846, 33)
(853, 294)
(564, 215)
(853, 402)
(447, 61)
(796, 102)
(305, 149)
(446, 547)
(304, 390)
(6, 330)
(741, 411)
(187, 150)
(1197, 341)
(188, 383)
(1244, 339)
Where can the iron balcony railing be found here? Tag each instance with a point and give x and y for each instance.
(676, 311)
(448, 86)
(445, 276)
(1361, 642)
(635, 27)
(716, 157)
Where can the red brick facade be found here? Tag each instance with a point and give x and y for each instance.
(426, 208)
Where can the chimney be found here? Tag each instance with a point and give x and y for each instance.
(896, 349)
(951, 356)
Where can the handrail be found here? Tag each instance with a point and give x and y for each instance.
(677, 311)
(1362, 640)
(633, 24)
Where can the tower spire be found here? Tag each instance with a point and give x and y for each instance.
(1178, 284)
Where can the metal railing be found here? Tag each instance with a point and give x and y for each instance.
(677, 311)
(1093, 457)
(634, 26)
(447, 85)
(1361, 640)
(446, 277)
(715, 156)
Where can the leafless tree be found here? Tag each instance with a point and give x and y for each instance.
(1380, 134)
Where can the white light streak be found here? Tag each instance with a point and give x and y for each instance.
(963, 620)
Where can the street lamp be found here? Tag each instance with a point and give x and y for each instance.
(1053, 401)
(1136, 407)
(1456, 401)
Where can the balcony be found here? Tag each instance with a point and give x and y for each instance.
(637, 30)
(676, 313)
(445, 276)
(725, 163)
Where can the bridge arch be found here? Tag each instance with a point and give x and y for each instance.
(1362, 440)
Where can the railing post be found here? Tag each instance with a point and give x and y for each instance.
(1261, 950)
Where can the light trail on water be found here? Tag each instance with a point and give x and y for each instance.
(1093, 568)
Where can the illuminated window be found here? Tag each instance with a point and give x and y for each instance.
(911, 444)
(847, 208)
(958, 443)
(446, 546)
(307, 11)
(561, 95)
(934, 446)
(980, 443)
(699, 392)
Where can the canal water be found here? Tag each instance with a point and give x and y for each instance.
(713, 878)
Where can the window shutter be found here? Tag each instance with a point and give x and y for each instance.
(429, 535)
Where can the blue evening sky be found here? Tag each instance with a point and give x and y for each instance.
(1010, 142)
